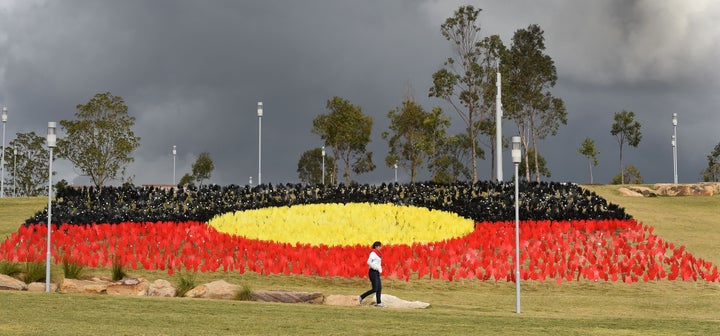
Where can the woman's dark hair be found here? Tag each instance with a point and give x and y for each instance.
(376, 244)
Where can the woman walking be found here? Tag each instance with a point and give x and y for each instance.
(375, 263)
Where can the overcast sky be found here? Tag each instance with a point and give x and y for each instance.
(192, 72)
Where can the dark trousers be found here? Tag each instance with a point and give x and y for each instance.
(376, 285)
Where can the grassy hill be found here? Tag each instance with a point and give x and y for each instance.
(461, 307)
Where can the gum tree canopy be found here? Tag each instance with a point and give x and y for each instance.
(99, 142)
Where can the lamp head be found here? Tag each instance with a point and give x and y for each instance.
(516, 155)
(4, 114)
(260, 109)
(51, 137)
(323, 150)
(674, 119)
(174, 150)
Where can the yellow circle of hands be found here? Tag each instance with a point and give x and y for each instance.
(344, 224)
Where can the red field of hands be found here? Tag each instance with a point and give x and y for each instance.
(596, 250)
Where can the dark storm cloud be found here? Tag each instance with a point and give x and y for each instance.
(192, 73)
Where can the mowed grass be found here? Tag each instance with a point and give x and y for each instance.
(458, 308)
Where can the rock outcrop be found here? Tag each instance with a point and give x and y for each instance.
(162, 288)
(10, 283)
(286, 296)
(219, 289)
(129, 287)
(75, 286)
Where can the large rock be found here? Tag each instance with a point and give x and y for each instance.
(685, 189)
(389, 301)
(627, 192)
(286, 296)
(219, 289)
(10, 283)
(162, 288)
(128, 287)
(645, 191)
(40, 287)
(83, 286)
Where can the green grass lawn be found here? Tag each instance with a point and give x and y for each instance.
(458, 308)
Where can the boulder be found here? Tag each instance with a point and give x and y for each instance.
(40, 287)
(162, 288)
(286, 296)
(390, 301)
(83, 286)
(627, 192)
(219, 289)
(645, 191)
(341, 300)
(10, 283)
(685, 189)
(128, 287)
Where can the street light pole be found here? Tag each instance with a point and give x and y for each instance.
(323, 165)
(260, 114)
(2, 161)
(51, 139)
(516, 157)
(498, 126)
(174, 155)
(395, 166)
(674, 146)
(14, 171)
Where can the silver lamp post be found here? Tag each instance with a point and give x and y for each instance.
(14, 171)
(250, 181)
(516, 157)
(174, 155)
(395, 167)
(323, 165)
(2, 161)
(51, 139)
(498, 126)
(674, 146)
(260, 114)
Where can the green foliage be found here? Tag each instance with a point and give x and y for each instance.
(411, 135)
(186, 179)
(186, 283)
(712, 172)
(630, 175)
(530, 74)
(100, 142)
(202, 168)
(587, 149)
(117, 271)
(310, 167)
(544, 171)
(244, 294)
(346, 131)
(461, 82)
(34, 272)
(451, 162)
(626, 130)
(72, 270)
(10, 268)
(26, 167)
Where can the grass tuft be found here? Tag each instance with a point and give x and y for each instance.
(117, 272)
(34, 272)
(244, 294)
(72, 270)
(187, 282)
(10, 268)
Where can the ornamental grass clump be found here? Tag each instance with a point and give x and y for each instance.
(34, 272)
(244, 294)
(72, 270)
(10, 268)
(187, 282)
(118, 272)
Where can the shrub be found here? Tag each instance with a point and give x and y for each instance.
(34, 272)
(187, 282)
(244, 294)
(72, 270)
(118, 273)
(10, 269)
